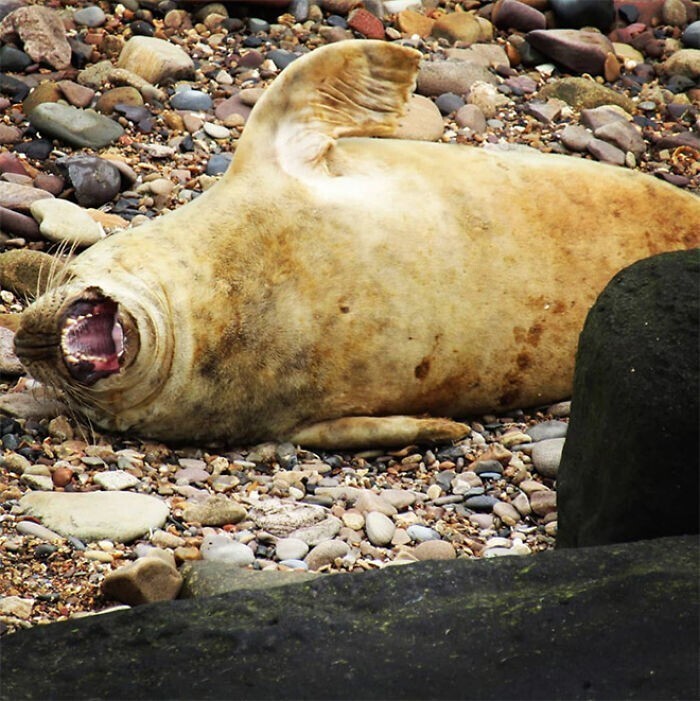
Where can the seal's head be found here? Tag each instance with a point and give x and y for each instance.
(98, 345)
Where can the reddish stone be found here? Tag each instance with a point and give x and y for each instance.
(512, 14)
(366, 23)
(9, 163)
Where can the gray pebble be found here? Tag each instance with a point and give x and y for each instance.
(482, 502)
(91, 16)
(547, 429)
(295, 564)
(195, 100)
(36, 530)
(546, 456)
(449, 102)
(218, 163)
(606, 152)
(691, 35)
(422, 533)
(291, 549)
(380, 528)
(256, 25)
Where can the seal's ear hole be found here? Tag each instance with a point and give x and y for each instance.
(92, 339)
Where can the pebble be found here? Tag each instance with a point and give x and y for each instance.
(379, 528)
(325, 530)
(543, 503)
(23, 226)
(421, 534)
(435, 550)
(195, 100)
(449, 102)
(82, 128)
(507, 513)
(155, 60)
(216, 131)
(422, 121)
(222, 548)
(471, 117)
(455, 76)
(118, 516)
(63, 221)
(291, 549)
(42, 34)
(605, 152)
(36, 530)
(325, 553)
(547, 429)
(91, 16)
(218, 164)
(147, 580)
(369, 501)
(215, 510)
(96, 180)
(115, 480)
(20, 197)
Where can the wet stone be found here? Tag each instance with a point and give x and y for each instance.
(195, 100)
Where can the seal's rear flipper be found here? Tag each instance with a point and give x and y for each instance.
(351, 88)
(355, 432)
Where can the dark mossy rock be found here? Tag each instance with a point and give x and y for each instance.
(629, 469)
(615, 622)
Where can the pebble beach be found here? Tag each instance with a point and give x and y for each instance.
(115, 113)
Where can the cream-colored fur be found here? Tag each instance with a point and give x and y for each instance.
(332, 285)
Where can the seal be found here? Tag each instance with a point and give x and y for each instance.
(338, 290)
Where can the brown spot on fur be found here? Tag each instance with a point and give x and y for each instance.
(422, 369)
(559, 307)
(523, 361)
(534, 334)
(344, 309)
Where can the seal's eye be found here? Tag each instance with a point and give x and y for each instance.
(92, 340)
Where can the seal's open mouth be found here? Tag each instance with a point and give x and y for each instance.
(92, 339)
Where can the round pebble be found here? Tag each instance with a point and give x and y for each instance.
(420, 533)
(380, 528)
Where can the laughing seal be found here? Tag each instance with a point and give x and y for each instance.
(337, 290)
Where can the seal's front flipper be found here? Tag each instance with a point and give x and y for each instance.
(355, 432)
(351, 88)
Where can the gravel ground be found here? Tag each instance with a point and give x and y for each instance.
(493, 494)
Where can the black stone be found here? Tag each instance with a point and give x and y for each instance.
(13, 88)
(575, 14)
(616, 622)
(13, 60)
(628, 13)
(253, 42)
(44, 550)
(40, 149)
(81, 52)
(142, 28)
(96, 180)
(134, 113)
(629, 468)
(480, 503)
(10, 441)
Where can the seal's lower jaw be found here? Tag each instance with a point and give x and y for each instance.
(92, 339)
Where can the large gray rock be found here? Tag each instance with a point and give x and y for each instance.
(629, 469)
(613, 622)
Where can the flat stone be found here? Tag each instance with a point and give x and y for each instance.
(204, 578)
(64, 221)
(75, 126)
(42, 33)
(422, 533)
(507, 513)
(584, 93)
(579, 51)
(454, 75)
(38, 404)
(369, 501)
(482, 54)
(20, 197)
(118, 516)
(280, 518)
(20, 225)
(191, 100)
(324, 530)
(543, 503)
(549, 597)
(215, 510)
(606, 152)
(597, 117)
(547, 429)
(625, 135)
(115, 480)
(155, 60)
(685, 62)
(147, 580)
